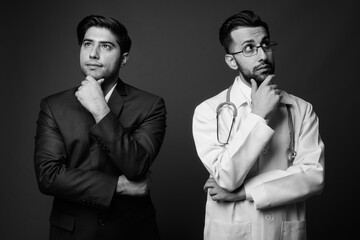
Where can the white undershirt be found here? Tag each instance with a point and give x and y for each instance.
(109, 93)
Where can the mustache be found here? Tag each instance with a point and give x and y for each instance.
(263, 65)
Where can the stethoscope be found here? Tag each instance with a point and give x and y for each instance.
(291, 153)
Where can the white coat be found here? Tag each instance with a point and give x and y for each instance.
(256, 158)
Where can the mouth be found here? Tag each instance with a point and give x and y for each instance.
(265, 67)
(93, 65)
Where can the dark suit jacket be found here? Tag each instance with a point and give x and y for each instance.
(78, 162)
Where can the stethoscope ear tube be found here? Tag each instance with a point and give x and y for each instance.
(291, 150)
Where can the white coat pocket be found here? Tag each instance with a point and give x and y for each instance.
(293, 230)
(227, 231)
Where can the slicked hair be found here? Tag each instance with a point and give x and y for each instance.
(245, 18)
(117, 28)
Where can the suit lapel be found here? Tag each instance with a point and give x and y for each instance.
(117, 98)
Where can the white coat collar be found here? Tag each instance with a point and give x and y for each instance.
(241, 94)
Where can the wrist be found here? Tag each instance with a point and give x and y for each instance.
(120, 184)
(101, 113)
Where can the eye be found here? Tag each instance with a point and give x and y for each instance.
(106, 46)
(249, 48)
(86, 44)
(266, 44)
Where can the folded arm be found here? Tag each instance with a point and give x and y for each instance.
(132, 150)
(55, 176)
(304, 178)
(279, 187)
(223, 161)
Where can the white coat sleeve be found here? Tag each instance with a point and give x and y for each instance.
(229, 164)
(301, 180)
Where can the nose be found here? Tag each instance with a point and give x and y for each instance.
(94, 52)
(262, 54)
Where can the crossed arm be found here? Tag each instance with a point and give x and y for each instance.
(229, 165)
(58, 176)
(220, 194)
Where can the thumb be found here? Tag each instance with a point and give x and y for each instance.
(100, 81)
(254, 86)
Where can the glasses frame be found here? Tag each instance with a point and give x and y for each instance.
(271, 47)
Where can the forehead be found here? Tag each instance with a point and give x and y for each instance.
(100, 34)
(248, 34)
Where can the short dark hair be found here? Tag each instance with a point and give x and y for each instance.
(111, 24)
(245, 18)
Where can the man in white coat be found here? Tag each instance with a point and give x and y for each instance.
(262, 147)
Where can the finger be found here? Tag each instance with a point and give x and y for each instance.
(207, 186)
(277, 91)
(254, 86)
(84, 82)
(210, 180)
(268, 80)
(90, 78)
(211, 192)
(100, 81)
(273, 86)
(215, 197)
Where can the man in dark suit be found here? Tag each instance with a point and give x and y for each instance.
(95, 143)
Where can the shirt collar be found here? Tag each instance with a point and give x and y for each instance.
(109, 93)
(240, 93)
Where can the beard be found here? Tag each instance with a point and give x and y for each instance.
(258, 73)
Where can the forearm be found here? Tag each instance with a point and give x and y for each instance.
(223, 161)
(53, 172)
(73, 184)
(302, 179)
(132, 150)
(220, 194)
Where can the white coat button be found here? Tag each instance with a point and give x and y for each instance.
(268, 218)
(266, 150)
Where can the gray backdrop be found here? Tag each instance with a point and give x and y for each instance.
(176, 54)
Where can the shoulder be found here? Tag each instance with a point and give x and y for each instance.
(62, 98)
(212, 103)
(68, 93)
(297, 104)
(206, 110)
(134, 92)
(136, 98)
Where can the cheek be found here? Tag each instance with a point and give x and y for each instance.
(82, 57)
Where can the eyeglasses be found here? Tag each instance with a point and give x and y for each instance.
(251, 49)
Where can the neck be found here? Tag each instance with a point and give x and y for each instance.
(244, 80)
(108, 84)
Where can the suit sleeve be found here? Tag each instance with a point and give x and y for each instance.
(301, 180)
(56, 178)
(133, 150)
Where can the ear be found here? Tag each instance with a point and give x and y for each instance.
(231, 61)
(124, 59)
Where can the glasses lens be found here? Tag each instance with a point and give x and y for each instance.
(249, 50)
(271, 46)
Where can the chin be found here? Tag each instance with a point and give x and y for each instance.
(95, 75)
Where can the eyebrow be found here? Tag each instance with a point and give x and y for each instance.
(248, 41)
(102, 42)
(252, 40)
